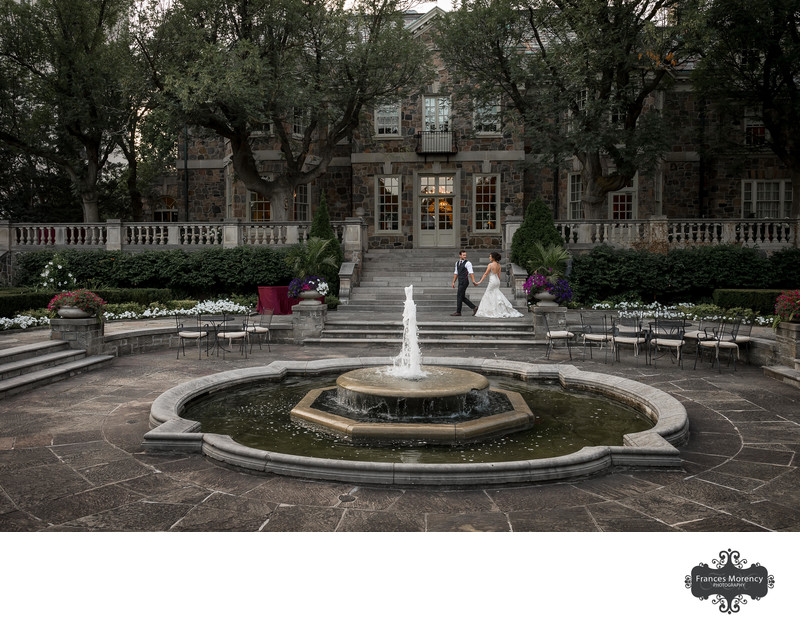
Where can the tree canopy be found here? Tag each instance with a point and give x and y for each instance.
(60, 99)
(751, 63)
(301, 71)
(579, 74)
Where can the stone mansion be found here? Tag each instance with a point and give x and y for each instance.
(423, 175)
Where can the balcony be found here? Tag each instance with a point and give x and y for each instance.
(436, 143)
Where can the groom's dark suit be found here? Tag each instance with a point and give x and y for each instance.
(463, 271)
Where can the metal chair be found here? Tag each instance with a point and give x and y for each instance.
(259, 327)
(744, 337)
(233, 332)
(723, 337)
(628, 331)
(596, 329)
(559, 333)
(667, 335)
(196, 332)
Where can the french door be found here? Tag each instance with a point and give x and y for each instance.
(437, 211)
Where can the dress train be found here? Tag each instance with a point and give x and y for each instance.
(494, 303)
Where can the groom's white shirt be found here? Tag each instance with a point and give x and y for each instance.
(469, 268)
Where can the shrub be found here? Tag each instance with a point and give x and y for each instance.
(537, 227)
(321, 228)
(18, 301)
(758, 300)
(200, 273)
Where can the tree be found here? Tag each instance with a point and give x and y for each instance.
(59, 97)
(301, 71)
(579, 74)
(753, 61)
(537, 228)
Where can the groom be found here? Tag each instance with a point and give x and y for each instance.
(463, 273)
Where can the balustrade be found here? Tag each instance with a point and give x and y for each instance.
(767, 234)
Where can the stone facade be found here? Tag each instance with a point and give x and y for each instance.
(689, 184)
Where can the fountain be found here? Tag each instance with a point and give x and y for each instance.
(453, 411)
(404, 403)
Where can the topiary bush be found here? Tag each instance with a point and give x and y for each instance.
(321, 228)
(537, 227)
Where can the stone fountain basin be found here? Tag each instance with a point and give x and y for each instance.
(652, 448)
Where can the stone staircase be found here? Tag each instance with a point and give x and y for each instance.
(33, 365)
(375, 312)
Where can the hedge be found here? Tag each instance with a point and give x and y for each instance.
(681, 275)
(205, 273)
(758, 300)
(14, 302)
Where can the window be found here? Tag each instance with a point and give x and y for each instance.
(755, 133)
(487, 118)
(437, 113)
(302, 207)
(299, 122)
(581, 100)
(387, 120)
(766, 199)
(622, 204)
(387, 191)
(259, 208)
(574, 197)
(487, 201)
(167, 212)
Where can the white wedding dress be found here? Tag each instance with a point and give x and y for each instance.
(494, 303)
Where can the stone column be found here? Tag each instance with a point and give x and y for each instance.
(85, 333)
(5, 236)
(509, 228)
(308, 320)
(113, 234)
(787, 337)
(230, 233)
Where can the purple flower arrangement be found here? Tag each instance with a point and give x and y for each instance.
(537, 283)
(308, 283)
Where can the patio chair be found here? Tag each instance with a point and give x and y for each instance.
(558, 332)
(233, 332)
(627, 331)
(596, 329)
(744, 337)
(258, 326)
(193, 330)
(667, 335)
(723, 337)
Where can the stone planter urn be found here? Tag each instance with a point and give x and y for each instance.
(545, 299)
(72, 312)
(310, 297)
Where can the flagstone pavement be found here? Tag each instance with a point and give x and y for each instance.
(71, 460)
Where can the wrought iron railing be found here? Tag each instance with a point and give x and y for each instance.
(436, 142)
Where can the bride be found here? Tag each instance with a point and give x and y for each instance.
(494, 303)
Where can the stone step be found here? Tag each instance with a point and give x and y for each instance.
(17, 353)
(783, 374)
(440, 343)
(45, 376)
(26, 365)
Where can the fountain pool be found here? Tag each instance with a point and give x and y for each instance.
(411, 404)
(642, 447)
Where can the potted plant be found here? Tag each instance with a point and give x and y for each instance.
(547, 265)
(787, 307)
(310, 262)
(78, 303)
